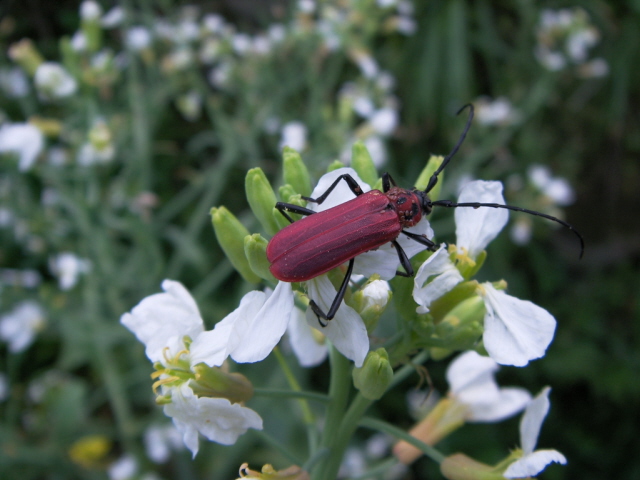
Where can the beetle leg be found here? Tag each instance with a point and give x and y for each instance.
(336, 301)
(283, 208)
(421, 239)
(404, 261)
(387, 181)
(353, 186)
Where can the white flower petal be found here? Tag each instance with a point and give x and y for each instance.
(340, 194)
(24, 139)
(532, 420)
(19, 326)
(534, 463)
(347, 330)
(214, 346)
(435, 277)
(470, 369)
(510, 401)
(163, 319)
(254, 338)
(216, 418)
(475, 228)
(515, 331)
(306, 347)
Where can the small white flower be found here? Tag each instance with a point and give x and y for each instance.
(515, 331)
(162, 322)
(217, 419)
(138, 38)
(495, 112)
(384, 121)
(306, 342)
(113, 17)
(68, 267)
(125, 468)
(367, 64)
(435, 277)
(161, 440)
(53, 81)
(555, 188)
(475, 228)
(90, 10)
(534, 461)
(14, 82)
(24, 139)
(472, 383)
(377, 149)
(294, 135)
(19, 327)
(79, 41)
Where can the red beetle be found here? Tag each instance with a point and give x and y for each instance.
(325, 240)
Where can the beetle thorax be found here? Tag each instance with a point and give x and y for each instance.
(407, 204)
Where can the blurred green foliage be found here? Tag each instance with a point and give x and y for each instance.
(143, 216)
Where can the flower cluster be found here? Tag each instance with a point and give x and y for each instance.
(564, 38)
(451, 312)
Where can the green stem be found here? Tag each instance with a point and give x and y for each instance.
(307, 414)
(339, 388)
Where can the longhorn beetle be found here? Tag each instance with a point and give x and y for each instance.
(325, 240)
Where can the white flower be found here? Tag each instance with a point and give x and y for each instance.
(162, 322)
(215, 418)
(475, 228)
(14, 82)
(19, 327)
(376, 147)
(53, 81)
(160, 440)
(90, 10)
(138, 38)
(472, 383)
(435, 277)
(124, 468)
(515, 331)
(68, 267)
(306, 342)
(384, 121)
(113, 17)
(533, 462)
(25, 140)
(250, 332)
(555, 188)
(495, 112)
(294, 135)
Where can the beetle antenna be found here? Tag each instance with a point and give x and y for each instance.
(450, 204)
(434, 178)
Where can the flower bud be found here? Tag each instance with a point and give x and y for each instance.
(90, 14)
(460, 467)
(230, 234)
(371, 301)
(375, 375)
(255, 250)
(288, 195)
(362, 163)
(261, 199)
(215, 382)
(335, 165)
(24, 53)
(462, 326)
(423, 179)
(295, 172)
(90, 451)
(294, 472)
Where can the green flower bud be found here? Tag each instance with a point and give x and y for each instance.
(255, 248)
(375, 375)
(371, 301)
(423, 179)
(288, 195)
(25, 54)
(261, 199)
(362, 163)
(462, 326)
(90, 27)
(295, 172)
(335, 165)
(447, 302)
(230, 234)
(460, 467)
(215, 382)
